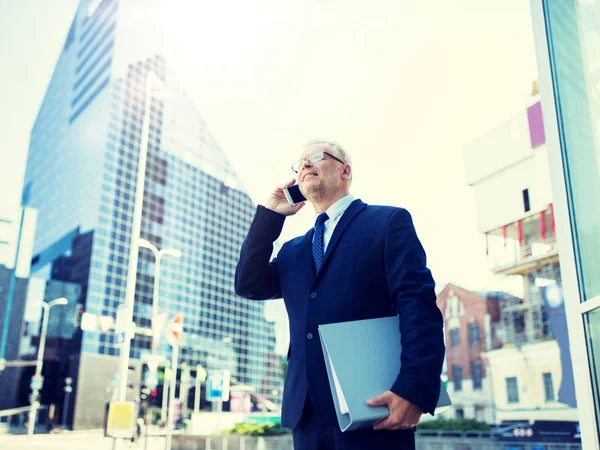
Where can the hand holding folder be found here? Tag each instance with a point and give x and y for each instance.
(363, 360)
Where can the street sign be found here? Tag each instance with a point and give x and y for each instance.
(105, 323)
(153, 361)
(121, 420)
(158, 326)
(186, 376)
(200, 373)
(217, 386)
(177, 408)
(151, 380)
(89, 321)
(36, 383)
(121, 324)
(175, 330)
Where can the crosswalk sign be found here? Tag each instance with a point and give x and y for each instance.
(217, 386)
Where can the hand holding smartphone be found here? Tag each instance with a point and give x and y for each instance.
(293, 195)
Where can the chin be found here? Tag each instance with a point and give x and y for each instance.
(315, 192)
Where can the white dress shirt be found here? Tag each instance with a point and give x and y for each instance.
(334, 213)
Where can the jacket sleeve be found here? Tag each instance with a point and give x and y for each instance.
(421, 325)
(255, 277)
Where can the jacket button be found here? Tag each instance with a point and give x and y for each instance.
(313, 295)
(309, 336)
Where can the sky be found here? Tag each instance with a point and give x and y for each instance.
(402, 85)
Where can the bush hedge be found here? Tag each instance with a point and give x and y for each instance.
(454, 424)
(257, 429)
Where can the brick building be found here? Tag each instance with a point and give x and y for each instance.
(469, 331)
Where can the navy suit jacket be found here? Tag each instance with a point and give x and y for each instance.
(374, 266)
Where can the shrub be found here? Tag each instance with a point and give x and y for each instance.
(256, 429)
(454, 424)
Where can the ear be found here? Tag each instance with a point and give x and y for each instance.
(346, 172)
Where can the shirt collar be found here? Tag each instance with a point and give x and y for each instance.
(338, 208)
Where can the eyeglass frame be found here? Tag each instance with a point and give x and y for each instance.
(302, 161)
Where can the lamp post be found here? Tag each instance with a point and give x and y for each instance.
(158, 254)
(67, 389)
(153, 86)
(37, 380)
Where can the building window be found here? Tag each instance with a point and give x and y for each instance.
(512, 390)
(477, 375)
(548, 387)
(473, 333)
(455, 337)
(526, 205)
(457, 378)
(460, 413)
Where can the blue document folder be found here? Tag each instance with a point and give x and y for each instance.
(363, 361)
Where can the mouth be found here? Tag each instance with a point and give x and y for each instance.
(309, 175)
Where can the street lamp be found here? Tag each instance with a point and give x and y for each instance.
(37, 384)
(153, 85)
(158, 254)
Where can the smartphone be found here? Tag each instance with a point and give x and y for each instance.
(293, 195)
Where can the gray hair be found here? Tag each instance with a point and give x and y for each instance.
(341, 153)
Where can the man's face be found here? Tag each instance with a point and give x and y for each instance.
(323, 178)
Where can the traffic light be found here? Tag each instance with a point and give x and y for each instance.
(76, 320)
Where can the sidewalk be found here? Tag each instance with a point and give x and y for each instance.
(76, 440)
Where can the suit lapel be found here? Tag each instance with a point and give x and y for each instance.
(355, 207)
(308, 238)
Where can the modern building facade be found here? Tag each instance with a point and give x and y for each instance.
(81, 175)
(567, 40)
(532, 374)
(17, 222)
(24, 337)
(469, 327)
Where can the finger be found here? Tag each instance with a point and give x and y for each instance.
(397, 425)
(386, 424)
(378, 401)
(287, 184)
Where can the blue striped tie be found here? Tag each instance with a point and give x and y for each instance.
(317, 247)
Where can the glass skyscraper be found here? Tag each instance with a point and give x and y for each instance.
(567, 38)
(81, 176)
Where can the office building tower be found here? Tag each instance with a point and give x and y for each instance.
(81, 175)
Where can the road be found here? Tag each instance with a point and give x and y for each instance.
(78, 440)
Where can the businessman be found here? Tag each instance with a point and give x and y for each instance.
(358, 262)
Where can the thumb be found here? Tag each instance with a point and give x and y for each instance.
(378, 401)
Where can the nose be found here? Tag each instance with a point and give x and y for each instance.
(306, 163)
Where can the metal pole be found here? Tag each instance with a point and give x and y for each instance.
(11, 292)
(134, 244)
(38, 369)
(65, 408)
(165, 398)
(42, 345)
(67, 390)
(184, 387)
(219, 415)
(174, 356)
(40, 360)
(197, 395)
(136, 225)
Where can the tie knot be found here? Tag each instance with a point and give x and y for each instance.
(323, 217)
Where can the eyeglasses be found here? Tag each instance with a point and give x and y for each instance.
(314, 158)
